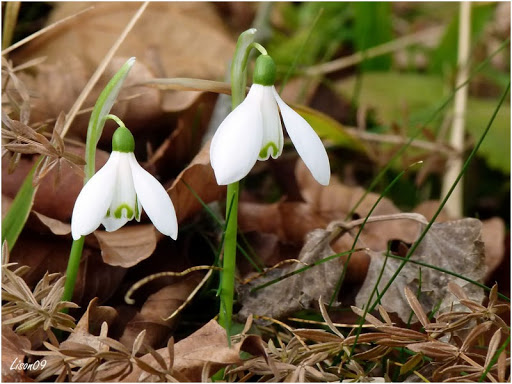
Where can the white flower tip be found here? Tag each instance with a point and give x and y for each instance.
(76, 236)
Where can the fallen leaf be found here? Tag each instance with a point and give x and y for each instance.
(493, 236)
(179, 148)
(455, 246)
(299, 291)
(127, 246)
(156, 309)
(208, 345)
(12, 355)
(199, 177)
(57, 227)
(89, 325)
(335, 201)
(204, 53)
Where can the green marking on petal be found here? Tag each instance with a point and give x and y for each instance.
(108, 213)
(272, 146)
(137, 212)
(119, 211)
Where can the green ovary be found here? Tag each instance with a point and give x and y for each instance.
(264, 150)
(118, 213)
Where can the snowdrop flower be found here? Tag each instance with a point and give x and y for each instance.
(119, 191)
(252, 131)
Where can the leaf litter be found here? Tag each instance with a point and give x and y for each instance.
(110, 343)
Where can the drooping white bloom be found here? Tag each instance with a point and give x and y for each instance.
(119, 191)
(253, 131)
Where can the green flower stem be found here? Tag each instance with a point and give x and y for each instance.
(99, 115)
(227, 283)
(72, 270)
(227, 288)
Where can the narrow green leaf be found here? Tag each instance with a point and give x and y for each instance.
(16, 217)
(101, 109)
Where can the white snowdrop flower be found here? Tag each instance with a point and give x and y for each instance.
(253, 131)
(119, 191)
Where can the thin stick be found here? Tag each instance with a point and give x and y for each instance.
(42, 31)
(455, 203)
(397, 139)
(392, 46)
(101, 68)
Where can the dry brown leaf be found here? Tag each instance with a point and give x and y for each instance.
(161, 40)
(89, 326)
(336, 200)
(493, 236)
(12, 355)
(200, 178)
(57, 227)
(185, 141)
(127, 246)
(290, 221)
(43, 253)
(158, 307)
(455, 246)
(181, 53)
(208, 345)
(296, 292)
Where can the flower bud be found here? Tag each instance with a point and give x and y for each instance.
(123, 141)
(264, 71)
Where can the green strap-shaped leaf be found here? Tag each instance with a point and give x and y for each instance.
(101, 109)
(14, 220)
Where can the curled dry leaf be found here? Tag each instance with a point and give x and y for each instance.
(158, 307)
(127, 246)
(455, 246)
(208, 345)
(89, 327)
(198, 178)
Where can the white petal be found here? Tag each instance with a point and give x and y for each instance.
(94, 199)
(154, 200)
(112, 223)
(124, 200)
(237, 142)
(306, 141)
(272, 142)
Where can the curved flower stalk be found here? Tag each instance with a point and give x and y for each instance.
(253, 131)
(119, 191)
